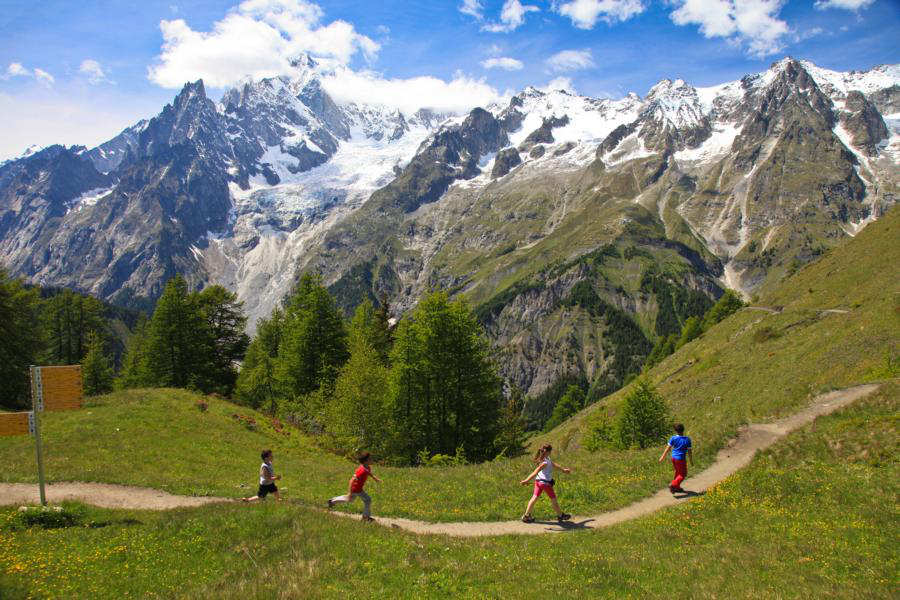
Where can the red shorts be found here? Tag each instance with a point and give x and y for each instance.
(540, 486)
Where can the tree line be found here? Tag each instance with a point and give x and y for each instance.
(55, 327)
(424, 388)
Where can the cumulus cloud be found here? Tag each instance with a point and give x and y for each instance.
(16, 70)
(43, 77)
(559, 83)
(473, 8)
(460, 94)
(571, 60)
(503, 62)
(94, 71)
(512, 16)
(753, 24)
(257, 38)
(584, 14)
(845, 4)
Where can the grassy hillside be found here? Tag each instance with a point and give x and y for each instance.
(755, 365)
(824, 527)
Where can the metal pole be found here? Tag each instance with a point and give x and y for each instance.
(37, 404)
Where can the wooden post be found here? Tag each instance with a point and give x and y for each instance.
(37, 404)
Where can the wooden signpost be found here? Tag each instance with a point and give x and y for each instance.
(52, 388)
(17, 423)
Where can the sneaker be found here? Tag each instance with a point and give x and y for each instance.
(673, 489)
(368, 519)
(527, 519)
(563, 517)
(678, 490)
(330, 504)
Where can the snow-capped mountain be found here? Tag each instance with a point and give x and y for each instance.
(739, 182)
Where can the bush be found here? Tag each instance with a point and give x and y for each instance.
(47, 517)
(644, 417)
(600, 432)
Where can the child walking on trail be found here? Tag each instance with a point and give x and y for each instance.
(267, 478)
(543, 482)
(680, 445)
(357, 481)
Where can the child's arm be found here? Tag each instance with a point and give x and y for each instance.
(666, 451)
(690, 454)
(562, 468)
(533, 474)
(372, 475)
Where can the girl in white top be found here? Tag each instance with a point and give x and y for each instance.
(543, 482)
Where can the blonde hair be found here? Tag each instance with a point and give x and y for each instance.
(542, 452)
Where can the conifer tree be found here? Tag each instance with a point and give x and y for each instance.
(314, 341)
(256, 384)
(176, 338)
(223, 338)
(446, 394)
(134, 364)
(69, 319)
(97, 374)
(570, 403)
(20, 341)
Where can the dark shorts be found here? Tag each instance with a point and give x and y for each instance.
(266, 489)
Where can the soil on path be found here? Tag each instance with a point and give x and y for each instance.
(730, 459)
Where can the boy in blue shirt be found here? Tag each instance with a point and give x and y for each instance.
(680, 445)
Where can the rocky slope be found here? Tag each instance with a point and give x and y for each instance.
(580, 229)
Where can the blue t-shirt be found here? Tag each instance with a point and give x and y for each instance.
(680, 445)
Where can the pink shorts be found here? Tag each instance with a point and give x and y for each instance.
(540, 486)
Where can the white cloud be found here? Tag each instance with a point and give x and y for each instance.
(409, 95)
(43, 77)
(571, 60)
(16, 70)
(585, 13)
(258, 38)
(801, 36)
(94, 71)
(845, 4)
(503, 62)
(559, 83)
(473, 8)
(750, 23)
(512, 16)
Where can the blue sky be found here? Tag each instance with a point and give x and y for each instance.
(80, 72)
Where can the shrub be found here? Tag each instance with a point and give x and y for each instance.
(644, 416)
(600, 432)
(47, 517)
(764, 334)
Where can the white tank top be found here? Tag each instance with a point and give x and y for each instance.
(266, 473)
(546, 473)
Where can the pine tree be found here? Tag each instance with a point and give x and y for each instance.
(20, 341)
(570, 403)
(69, 318)
(357, 415)
(134, 364)
(224, 339)
(445, 391)
(176, 338)
(510, 440)
(644, 417)
(256, 385)
(314, 341)
(96, 371)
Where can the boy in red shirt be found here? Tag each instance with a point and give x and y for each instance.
(363, 472)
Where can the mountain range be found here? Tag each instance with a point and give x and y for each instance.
(581, 230)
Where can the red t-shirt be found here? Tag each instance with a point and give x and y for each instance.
(362, 473)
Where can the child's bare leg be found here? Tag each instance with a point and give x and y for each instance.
(555, 506)
(531, 505)
(250, 499)
(277, 496)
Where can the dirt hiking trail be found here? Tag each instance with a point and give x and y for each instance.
(730, 459)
